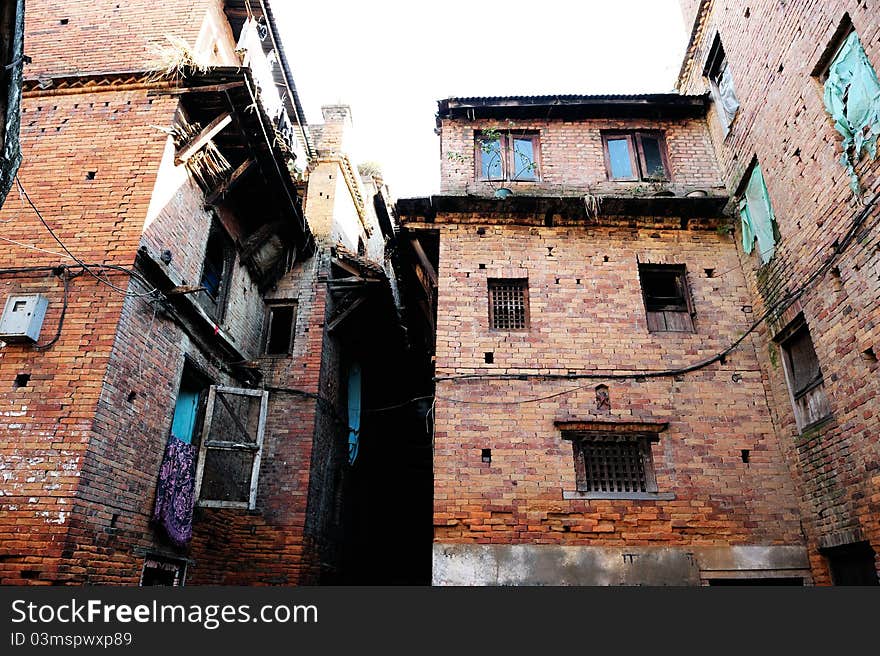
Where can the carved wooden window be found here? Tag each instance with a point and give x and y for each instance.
(508, 304)
(667, 298)
(229, 457)
(614, 463)
(804, 375)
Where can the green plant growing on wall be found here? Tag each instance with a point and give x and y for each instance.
(491, 142)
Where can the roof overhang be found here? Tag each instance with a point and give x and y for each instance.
(237, 12)
(703, 212)
(249, 137)
(657, 106)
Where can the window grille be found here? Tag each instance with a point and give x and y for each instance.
(508, 304)
(614, 464)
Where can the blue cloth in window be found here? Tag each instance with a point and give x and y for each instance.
(852, 97)
(185, 411)
(354, 411)
(757, 217)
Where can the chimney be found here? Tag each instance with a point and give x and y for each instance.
(337, 126)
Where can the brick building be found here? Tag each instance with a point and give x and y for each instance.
(795, 96)
(599, 416)
(196, 331)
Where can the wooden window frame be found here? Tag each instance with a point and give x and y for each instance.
(841, 34)
(642, 441)
(206, 444)
(271, 306)
(685, 308)
(506, 141)
(216, 307)
(491, 286)
(158, 561)
(816, 386)
(636, 154)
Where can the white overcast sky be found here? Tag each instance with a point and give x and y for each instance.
(392, 60)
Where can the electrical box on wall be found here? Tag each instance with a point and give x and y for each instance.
(23, 317)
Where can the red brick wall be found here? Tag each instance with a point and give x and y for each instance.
(598, 324)
(85, 439)
(112, 35)
(572, 158)
(100, 220)
(782, 121)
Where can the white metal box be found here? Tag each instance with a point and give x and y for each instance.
(23, 317)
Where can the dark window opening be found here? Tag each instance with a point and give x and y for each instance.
(508, 304)
(486, 455)
(852, 564)
(163, 571)
(804, 375)
(507, 156)
(613, 463)
(280, 328)
(721, 84)
(21, 380)
(216, 271)
(667, 297)
(635, 156)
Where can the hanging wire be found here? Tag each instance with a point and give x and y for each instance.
(65, 277)
(85, 266)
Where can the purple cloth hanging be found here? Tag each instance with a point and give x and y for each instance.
(175, 493)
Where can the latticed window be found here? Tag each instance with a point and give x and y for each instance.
(509, 304)
(231, 448)
(613, 463)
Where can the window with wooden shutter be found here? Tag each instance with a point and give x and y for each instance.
(668, 304)
(229, 457)
(804, 375)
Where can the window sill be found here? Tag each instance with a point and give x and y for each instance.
(812, 428)
(634, 496)
(243, 505)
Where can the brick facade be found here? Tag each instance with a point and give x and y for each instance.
(772, 51)
(87, 432)
(572, 160)
(508, 508)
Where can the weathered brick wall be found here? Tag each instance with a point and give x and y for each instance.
(50, 420)
(77, 37)
(587, 314)
(111, 532)
(89, 431)
(178, 222)
(772, 50)
(689, 13)
(572, 159)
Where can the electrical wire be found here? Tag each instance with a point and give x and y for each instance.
(778, 307)
(65, 277)
(85, 266)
